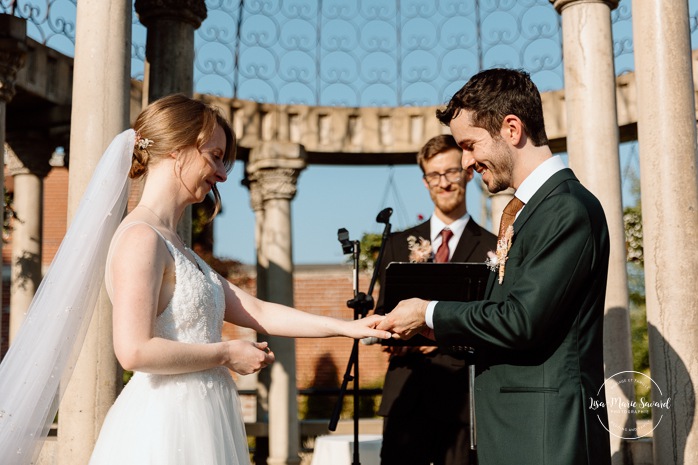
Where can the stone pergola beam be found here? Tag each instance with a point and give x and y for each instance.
(47, 74)
(331, 135)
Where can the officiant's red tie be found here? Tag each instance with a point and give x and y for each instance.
(509, 215)
(443, 252)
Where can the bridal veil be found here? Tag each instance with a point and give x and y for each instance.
(44, 353)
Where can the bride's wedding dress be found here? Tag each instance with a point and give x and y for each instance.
(192, 418)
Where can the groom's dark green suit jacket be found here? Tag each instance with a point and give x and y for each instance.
(538, 335)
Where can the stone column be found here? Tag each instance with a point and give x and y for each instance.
(592, 145)
(667, 134)
(13, 50)
(100, 111)
(28, 163)
(263, 378)
(169, 54)
(275, 167)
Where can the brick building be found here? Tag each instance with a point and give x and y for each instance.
(321, 289)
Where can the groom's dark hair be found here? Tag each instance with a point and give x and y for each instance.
(495, 93)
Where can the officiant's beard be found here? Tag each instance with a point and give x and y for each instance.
(452, 201)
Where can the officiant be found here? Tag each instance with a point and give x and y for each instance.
(425, 394)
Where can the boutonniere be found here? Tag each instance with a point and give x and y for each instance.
(420, 250)
(496, 261)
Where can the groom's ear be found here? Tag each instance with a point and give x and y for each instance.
(512, 130)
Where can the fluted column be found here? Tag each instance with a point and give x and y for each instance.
(263, 378)
(13, 50)
(100, 111)
(169, 55)
(28, 163)
(667, 135)
(592, 145)
(275, 167)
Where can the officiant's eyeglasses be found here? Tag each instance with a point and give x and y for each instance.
(451, 175)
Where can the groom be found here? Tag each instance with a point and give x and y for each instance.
(538, 333)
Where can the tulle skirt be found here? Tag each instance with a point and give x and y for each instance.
(194, 418)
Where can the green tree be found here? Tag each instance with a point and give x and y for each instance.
(369, 246)
(632, 219)
(8, 215)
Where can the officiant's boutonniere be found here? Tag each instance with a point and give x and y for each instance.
(420, 250)
(496, 261)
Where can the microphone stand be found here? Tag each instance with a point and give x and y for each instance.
(361, 303)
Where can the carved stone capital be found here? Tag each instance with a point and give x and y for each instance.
(272, 184)
(29, 156)
(13, 50)
(256, 199)
(186, 11)
(562, 4)
(273, 169)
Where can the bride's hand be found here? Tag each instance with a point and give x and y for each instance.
(245, 357)
(366, 327)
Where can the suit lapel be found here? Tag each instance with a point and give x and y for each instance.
(396, 249)
(540, 195)
(469, 241)
(423, 230)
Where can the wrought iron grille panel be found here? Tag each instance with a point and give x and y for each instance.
(362, 53)
(50, 22)
(370, 52)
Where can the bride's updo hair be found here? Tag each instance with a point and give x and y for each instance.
(175, 122)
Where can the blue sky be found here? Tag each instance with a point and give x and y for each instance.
(348, 197)
(328, 198)
(332, 197)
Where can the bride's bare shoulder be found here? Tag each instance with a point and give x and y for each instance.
(137, 236)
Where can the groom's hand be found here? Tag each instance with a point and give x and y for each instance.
(406, 319)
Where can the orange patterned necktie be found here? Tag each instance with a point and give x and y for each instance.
(443, 252)
(509, 215)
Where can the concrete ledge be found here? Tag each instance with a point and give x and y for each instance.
(641, 451)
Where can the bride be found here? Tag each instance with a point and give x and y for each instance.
(181, 406)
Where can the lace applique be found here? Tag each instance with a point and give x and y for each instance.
(195, 314)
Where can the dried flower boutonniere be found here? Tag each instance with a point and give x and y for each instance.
(496, 261)
(420, 250)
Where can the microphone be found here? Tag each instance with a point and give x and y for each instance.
(343, 238)
(384, 215)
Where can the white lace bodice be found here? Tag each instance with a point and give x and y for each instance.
(193, 316)
(180, 419)
(195, 313)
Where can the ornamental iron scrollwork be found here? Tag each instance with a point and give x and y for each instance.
(370, 52)
(357, 54)
(49, 22)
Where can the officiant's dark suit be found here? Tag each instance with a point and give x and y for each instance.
(425, 402)
(538, 334)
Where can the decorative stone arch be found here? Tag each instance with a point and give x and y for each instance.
(393, 135)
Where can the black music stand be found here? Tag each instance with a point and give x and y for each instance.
(453, 281)
(460, 282)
